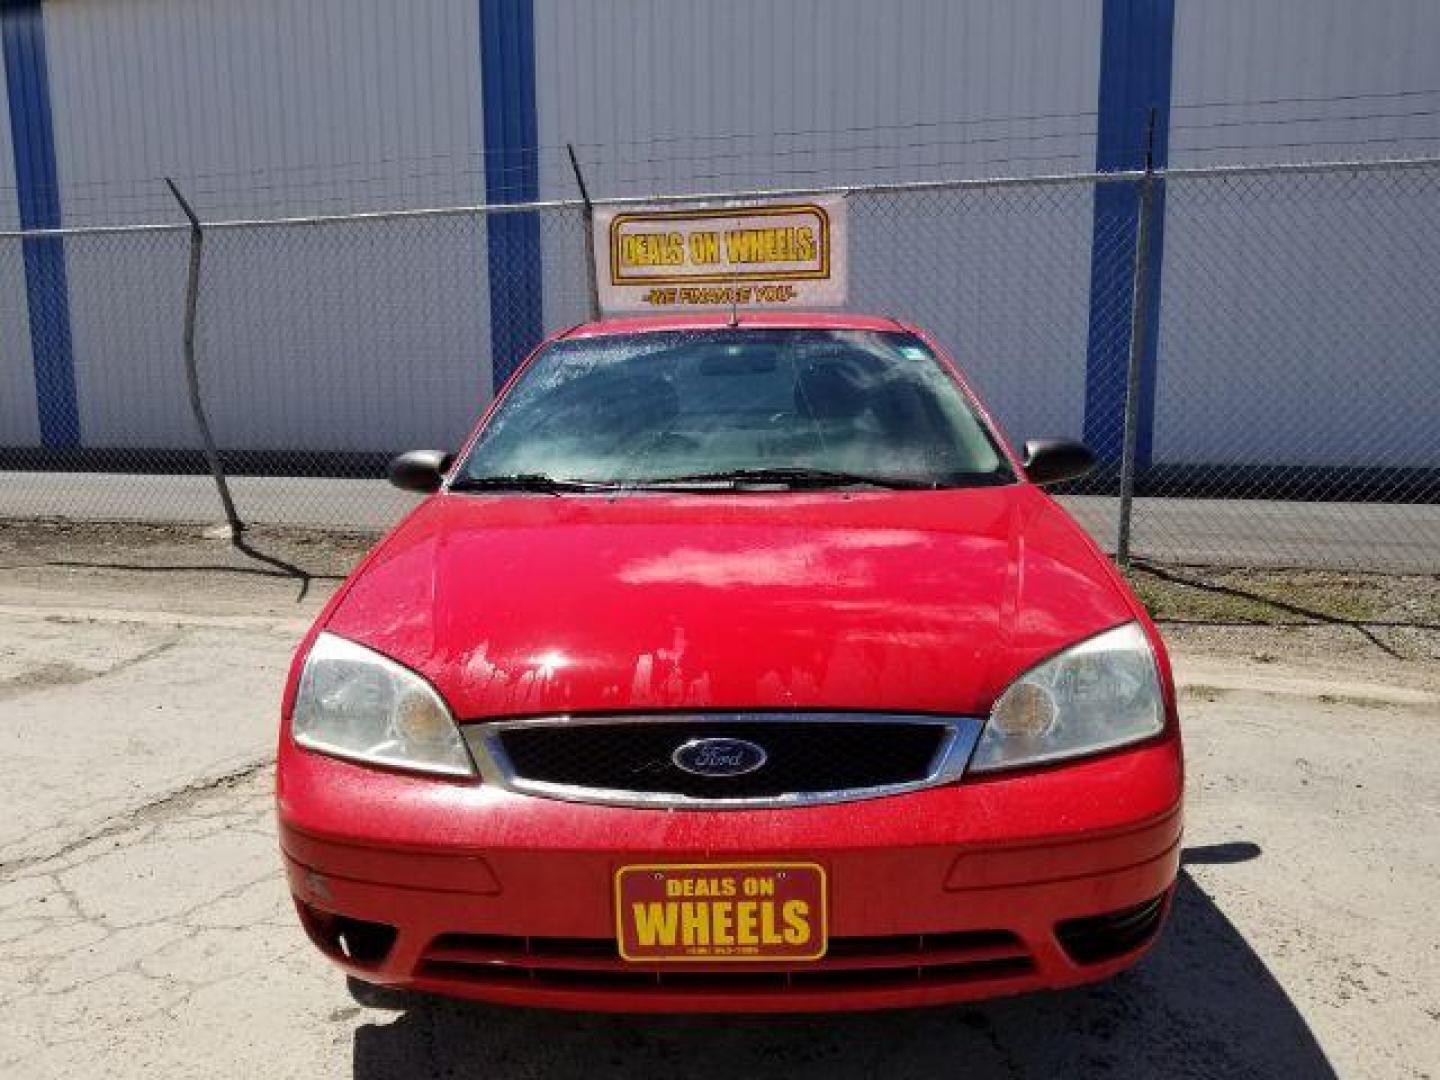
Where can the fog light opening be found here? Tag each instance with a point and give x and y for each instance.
(359, 941)
(364, 942)
(1098, 938)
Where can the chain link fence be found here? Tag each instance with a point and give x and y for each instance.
(1283, 393)
(1297, 407)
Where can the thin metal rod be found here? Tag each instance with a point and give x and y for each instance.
(698, 197)
(92, 230)
(897, 188)
(1200, 172)
(588, 214)
(1139, 298)
(1052, 180)
(192, 376)
(579, 204)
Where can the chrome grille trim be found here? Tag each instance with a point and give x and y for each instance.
(947, 766)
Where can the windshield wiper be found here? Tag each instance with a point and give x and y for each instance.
(790, 476)
(527, 482)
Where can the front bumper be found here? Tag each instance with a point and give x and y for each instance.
(993, 886)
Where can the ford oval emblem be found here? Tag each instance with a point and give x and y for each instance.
(718, 757)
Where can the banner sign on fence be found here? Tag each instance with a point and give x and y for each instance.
(767, 254)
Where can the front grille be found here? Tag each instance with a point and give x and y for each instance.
(802, 756)
(860, 963)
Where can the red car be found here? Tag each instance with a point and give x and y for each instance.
(733, 666)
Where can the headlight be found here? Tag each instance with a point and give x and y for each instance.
(1102, 693)
(355, 703)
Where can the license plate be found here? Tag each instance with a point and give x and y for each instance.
(718, 912)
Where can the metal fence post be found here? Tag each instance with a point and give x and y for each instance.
(588, 216)
(1139, 299)
(192, 377)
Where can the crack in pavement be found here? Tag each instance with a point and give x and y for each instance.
(62, 673)
(141, 926)
(172, 802)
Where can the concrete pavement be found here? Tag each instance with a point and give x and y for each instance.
(147, 932)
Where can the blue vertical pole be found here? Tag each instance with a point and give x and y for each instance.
(512, 174)
(47, 294)
(1136, 46)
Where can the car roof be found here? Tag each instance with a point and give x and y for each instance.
(719, 320)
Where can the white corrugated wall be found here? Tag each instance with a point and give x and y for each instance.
(666, 97)
(358, 338)
(1299, 315)
(327, 339)
(264, 107)
(1307, 80)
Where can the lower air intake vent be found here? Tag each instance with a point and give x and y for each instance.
(852, 964)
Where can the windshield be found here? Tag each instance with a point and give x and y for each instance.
(784, 407)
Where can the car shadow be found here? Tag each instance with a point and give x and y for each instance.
(1200, 1004)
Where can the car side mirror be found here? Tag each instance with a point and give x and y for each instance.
(420, 470)
(1048, 461)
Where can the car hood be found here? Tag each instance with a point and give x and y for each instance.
(901, 601)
